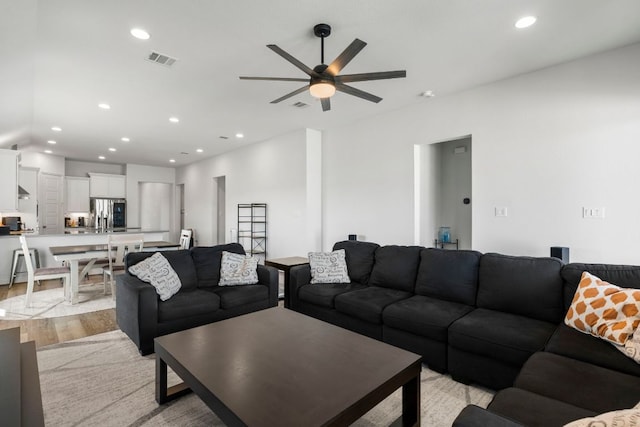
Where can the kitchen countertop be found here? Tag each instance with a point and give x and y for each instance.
(79, 231)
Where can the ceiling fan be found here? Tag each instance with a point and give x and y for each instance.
(323, 79)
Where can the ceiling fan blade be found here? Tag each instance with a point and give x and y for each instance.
(345, 57)
(357, 92)
(326, 104)
(289, 95)
(293, 60)
(348, 78)
(279, 79)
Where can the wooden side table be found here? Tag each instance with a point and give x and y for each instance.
(285, 264)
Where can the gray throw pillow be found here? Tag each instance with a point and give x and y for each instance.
(236, 269)
(329, 267)
(157, 271)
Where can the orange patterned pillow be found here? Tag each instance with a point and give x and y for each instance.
(604, 310)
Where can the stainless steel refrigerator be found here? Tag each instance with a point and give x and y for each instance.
(107, 214)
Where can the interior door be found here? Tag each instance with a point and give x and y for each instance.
(50, 204)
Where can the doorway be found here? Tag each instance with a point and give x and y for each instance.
(443, 191)
(219, 210)
(50, 207)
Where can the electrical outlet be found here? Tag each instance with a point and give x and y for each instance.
(593, 213)
(502, 211)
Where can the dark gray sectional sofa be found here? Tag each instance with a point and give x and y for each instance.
(143, 316)
(490, 319)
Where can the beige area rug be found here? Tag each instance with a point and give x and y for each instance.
(50, 303)
(103, 381)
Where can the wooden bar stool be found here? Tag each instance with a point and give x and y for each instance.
(17, 253)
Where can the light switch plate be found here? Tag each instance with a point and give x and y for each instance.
(593, 213)
(502, 211)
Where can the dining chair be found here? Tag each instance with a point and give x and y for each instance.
(185, 238)
(43, 274)
(118, 246)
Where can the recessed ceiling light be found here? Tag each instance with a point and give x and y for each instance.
(112, 149)
(428, 94)
(199, 150)
(172, 160)
(104, 106)
(51, 141)
(525, 22)
(239, 135)
(139, 33)
(125, 139)
(56, 129)
(48, 151)
(101, 157)
(174, 119)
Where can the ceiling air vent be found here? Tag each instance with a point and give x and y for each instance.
(161, 59)
(300, 105)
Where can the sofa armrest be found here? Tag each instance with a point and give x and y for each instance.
(137, 311)
(298, 276)
(475, 416)
(268, 276)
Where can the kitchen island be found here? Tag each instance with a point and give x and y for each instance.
(42, 242)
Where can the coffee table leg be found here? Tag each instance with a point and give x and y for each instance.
(161, 380)
(163, 393)
(411, 402)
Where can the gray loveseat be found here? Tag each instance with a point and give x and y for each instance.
(143, 316)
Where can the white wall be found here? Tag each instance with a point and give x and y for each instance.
(139, 173)
(82, 169)
(272, 172)
(47, 163)
(545, 144)
(155, 205)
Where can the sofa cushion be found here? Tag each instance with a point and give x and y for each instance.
(621, 418)
(525, 286)
(626, 276)
(324, 294)
(186, 304)
(424, 316)
(502, 336)
(157, 271)
(235, 296)
(568, 342)
(578, 383)
(367, 304)
(534, 410)
(360, 257)
(180, 261)
(207, 260)
(329, 267)
(396, 267)
(449, 275)
(604, 310)
(475, 416)
(236, 269)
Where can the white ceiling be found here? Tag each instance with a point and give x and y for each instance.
(60, 58)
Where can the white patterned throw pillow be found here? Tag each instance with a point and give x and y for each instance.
(329, 267)
(236, 269)
(157, 271)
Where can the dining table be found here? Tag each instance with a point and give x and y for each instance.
(73, 254)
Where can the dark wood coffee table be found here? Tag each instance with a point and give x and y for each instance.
(277, 367)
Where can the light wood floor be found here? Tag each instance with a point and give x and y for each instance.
(57, 329)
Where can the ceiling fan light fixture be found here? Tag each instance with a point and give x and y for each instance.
(322, 89)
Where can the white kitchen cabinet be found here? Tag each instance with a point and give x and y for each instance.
(9, 180)
(77, 194)
(107, 185)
